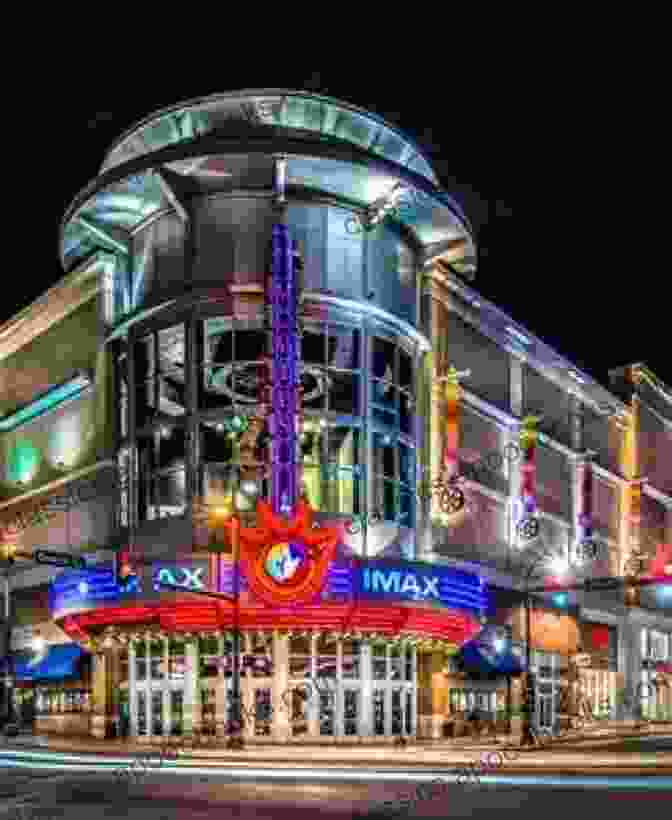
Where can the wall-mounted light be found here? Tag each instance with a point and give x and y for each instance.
(219, 427)
(165, 432)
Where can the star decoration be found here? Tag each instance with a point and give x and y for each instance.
(271, 530)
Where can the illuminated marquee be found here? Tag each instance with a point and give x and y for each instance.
(193, 576)
(285, 562)
(419, 582)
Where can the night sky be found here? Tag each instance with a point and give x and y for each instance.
(558, 248)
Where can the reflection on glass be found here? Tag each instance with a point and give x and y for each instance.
(351, 708)
(379, 711)
(142, 712)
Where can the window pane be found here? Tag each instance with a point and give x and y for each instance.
(343, 393)
(171, 350)
(382, 359)
(344, 344)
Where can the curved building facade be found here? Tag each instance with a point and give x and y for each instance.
(262, 258)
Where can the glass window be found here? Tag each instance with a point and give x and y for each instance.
(351, 659)
(379, 711)
(351, 711)
(300, 658)
(140, 661)
(343, 348)
(142, 712)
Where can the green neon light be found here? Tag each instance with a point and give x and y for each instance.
(46, 403)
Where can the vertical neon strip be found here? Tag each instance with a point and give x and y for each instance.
(528, 441)
(284, 357)
(452, 440)
(586, 516)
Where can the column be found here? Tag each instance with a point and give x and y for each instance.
(314, 701)
(193, 491)
(114, 675)
(513, 456)
(166, 705)
(132, 689)
(425, 424)
(630, 665)
(247, 690)
(191, 702)
(339, 699)
(432, 694)
(148, 689)
(220, 695)
(366, 717)
(101, 692)
(281, 729)
(516, 385)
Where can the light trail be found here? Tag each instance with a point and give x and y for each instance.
(242, 771)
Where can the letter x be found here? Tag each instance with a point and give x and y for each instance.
(430, 586)
(191, 577)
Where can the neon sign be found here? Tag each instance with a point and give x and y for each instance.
(419, 582)
(191, 578)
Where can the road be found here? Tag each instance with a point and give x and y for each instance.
(34, 793)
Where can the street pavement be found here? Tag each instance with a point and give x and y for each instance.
(32, 795)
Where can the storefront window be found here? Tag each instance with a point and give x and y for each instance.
(140, 660)
(351, 659)
(300, 658)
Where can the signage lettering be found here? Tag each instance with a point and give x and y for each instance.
(381, 580)
(180, 577)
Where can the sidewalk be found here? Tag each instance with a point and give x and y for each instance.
(557, 757)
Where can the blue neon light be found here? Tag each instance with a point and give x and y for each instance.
(45, 403)
(419, 582)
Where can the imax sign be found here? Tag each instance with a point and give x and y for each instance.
(192, 577)
(401, 583)
(419, 581)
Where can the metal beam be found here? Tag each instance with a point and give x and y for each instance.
(112, 237)
(171, 192)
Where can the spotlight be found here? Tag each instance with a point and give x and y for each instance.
(165, 432)
(219, 427)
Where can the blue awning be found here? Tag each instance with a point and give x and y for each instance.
(61, 661)
(485, 661)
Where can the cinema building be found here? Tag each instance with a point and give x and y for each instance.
(264, 376)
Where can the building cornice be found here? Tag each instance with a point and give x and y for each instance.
(475, 309)
(62, 299)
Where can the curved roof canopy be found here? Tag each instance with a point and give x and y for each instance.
(332, 148)
(289, 109)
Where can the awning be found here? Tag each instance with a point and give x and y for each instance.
(483, 661)
(61, 661)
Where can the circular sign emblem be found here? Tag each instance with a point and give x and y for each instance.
(284, 561)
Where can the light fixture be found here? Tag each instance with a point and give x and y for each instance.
(38, 643)
(165, 432)
(499, 644)
(83, 588)
(219, 427)
(559, 565)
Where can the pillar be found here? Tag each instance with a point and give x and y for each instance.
(366, 718)
(220, 695)
(281, 729)
(165, 690)
(314, 700)
(101, 717)
(191, 718)
(433, 694)
(132, 689)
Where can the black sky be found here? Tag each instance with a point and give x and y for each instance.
(544, 184)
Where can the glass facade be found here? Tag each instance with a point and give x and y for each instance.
(358, 426)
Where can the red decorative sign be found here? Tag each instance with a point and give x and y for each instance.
(285, 561)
